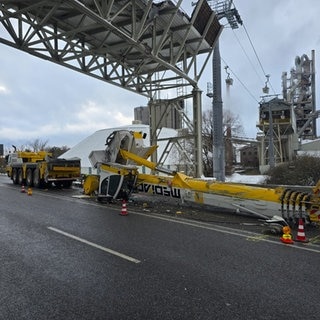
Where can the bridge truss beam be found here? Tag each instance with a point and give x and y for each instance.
(124, 43)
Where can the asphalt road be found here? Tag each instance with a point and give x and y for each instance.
(64, 257)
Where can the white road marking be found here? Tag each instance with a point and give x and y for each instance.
(240, 233)
(116, 253)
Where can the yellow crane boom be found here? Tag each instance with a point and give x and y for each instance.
(122, 172)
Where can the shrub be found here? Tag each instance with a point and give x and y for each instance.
(304, 171)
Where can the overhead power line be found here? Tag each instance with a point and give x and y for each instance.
(258, 59)
(244, 86)
(250, 61)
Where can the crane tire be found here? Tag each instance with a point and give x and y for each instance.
(36, 178)
(15, 175)
(20, 177)
(29, 178)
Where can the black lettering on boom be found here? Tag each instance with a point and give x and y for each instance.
(160, 190)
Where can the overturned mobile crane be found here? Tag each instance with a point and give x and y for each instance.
(118, 176)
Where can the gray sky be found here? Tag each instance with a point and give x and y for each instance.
(40, 99)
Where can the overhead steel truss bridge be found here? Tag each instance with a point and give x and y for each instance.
(142, 46)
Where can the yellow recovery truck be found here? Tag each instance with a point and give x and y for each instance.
(119, 176)
(39, 169)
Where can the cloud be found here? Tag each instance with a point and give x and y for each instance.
(92, 116)
(3, 89)
(52, 103)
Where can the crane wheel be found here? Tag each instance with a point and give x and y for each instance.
(20, 177)
(36, 179)
(29, 178)
(15, 176)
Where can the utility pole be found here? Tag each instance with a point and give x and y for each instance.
(217, 113)
(271, 142)
(223, 9)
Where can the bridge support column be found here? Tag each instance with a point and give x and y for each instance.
(197, 127)
(153, 129)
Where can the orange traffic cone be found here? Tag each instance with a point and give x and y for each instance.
(124, 211)
(286, 237)
(301, 236)
(29, 192)
(23, 190)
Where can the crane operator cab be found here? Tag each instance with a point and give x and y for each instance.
(117, 176)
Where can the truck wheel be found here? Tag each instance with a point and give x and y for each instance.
(15, 176)
(36, 178)
(29, 179)
(58, 184)
(20, 177)
(67, 184)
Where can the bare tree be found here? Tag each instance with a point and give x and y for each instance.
(230, 120)
(37, 145)
(57, 151)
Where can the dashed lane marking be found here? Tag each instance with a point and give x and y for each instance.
(97, 246)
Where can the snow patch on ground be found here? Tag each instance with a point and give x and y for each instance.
(241, 178)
